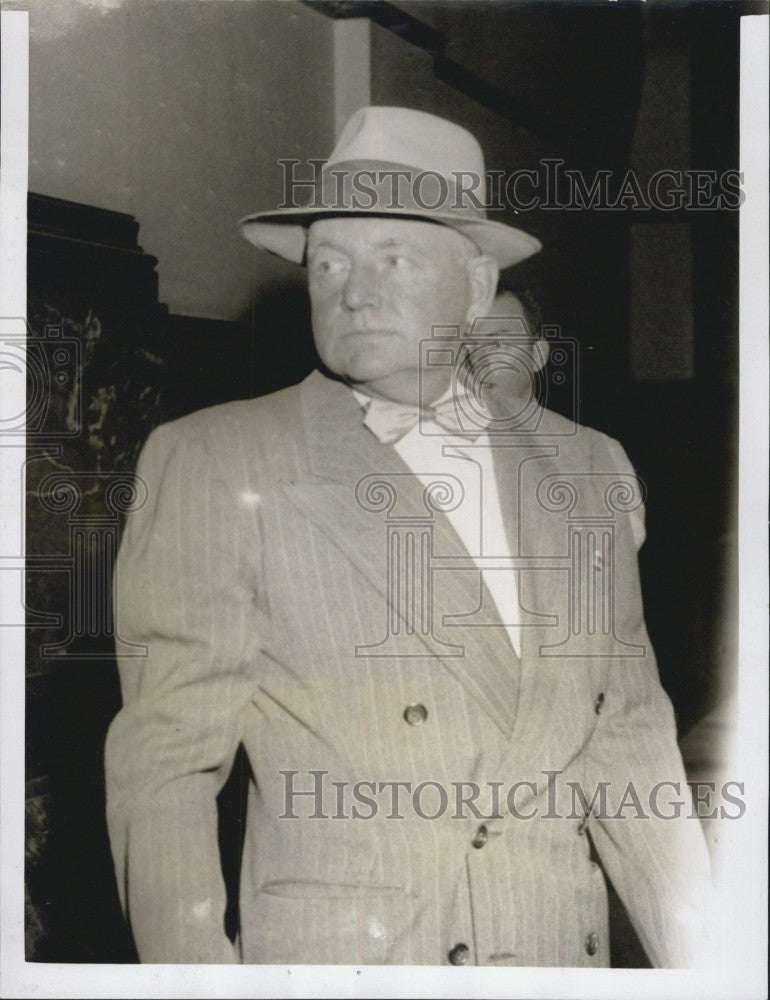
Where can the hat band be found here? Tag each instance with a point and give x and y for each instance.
(382, 187)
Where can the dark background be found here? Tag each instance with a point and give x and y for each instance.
(591, 83)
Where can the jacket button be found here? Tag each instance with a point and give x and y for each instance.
(415, 715)
(481, 837)
(592, 944)
(460, 954)
(599, 702)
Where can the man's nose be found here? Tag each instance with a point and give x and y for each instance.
(362, 285)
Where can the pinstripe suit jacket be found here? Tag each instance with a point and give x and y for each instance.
(258, 581)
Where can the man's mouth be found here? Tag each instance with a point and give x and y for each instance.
(371, 332)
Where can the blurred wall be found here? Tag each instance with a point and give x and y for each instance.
(177, 112)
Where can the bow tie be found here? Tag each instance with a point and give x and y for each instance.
(390, 421)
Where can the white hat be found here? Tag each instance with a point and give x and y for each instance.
(399, 162)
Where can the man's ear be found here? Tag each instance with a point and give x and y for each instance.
(483, 273)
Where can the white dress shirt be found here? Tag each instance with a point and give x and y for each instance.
(428, 450)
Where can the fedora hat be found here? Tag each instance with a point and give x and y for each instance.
(396, 162)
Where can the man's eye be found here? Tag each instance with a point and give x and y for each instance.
(325, 268)
(396, 260)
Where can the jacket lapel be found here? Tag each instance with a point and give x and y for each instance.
(362, 495)
(548, 682)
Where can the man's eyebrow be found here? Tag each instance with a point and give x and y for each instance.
(393, 243)
(324, 245)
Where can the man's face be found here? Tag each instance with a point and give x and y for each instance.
(377, 286)
(507, 364)
(505, 356)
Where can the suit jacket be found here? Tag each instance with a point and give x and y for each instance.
(268, 572)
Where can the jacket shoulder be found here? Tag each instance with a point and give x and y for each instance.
(575, 437)
(587, 450)
(238, 439)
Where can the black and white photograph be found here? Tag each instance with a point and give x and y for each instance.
(383, 431)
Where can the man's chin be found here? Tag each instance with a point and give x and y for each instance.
(402, 388)
(398, 389)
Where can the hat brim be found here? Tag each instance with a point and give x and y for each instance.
(284, 232)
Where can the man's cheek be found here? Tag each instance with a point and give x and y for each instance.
(324, 340)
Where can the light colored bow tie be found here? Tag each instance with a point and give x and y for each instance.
(390, 421)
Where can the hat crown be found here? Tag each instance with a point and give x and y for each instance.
(408, 137)
(377, 149)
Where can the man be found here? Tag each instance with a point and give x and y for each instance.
(507, 354)
(378, 586)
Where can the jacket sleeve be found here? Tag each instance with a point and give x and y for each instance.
(648, 836)
(182, 590)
